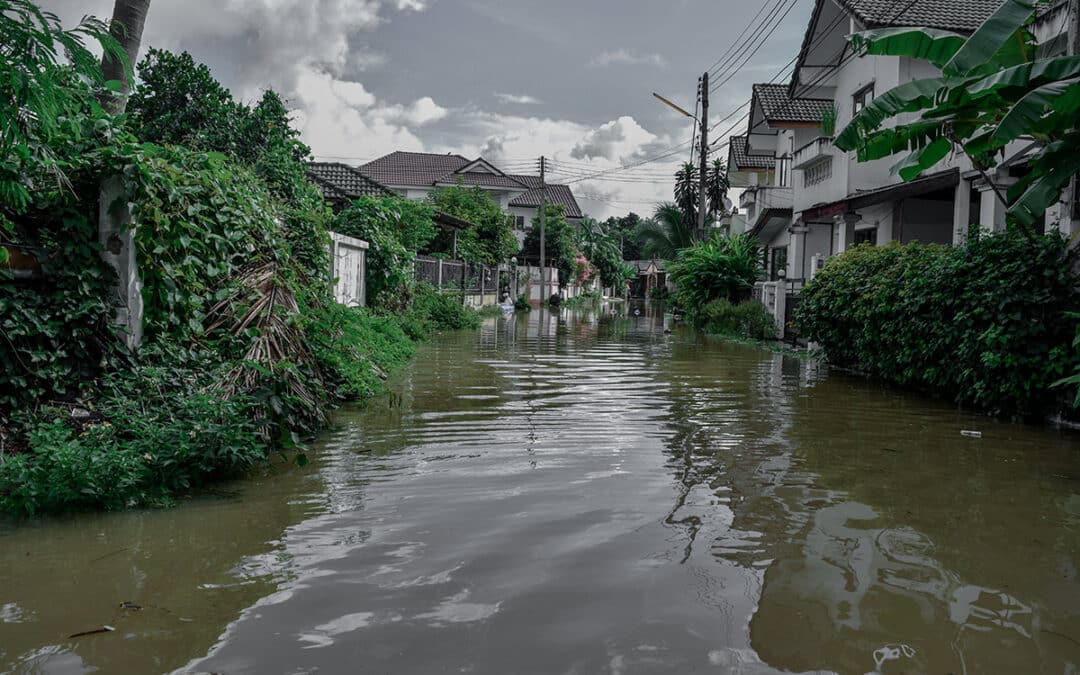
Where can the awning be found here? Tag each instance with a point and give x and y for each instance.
(892, 193)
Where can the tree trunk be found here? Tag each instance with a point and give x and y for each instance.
(126, 28)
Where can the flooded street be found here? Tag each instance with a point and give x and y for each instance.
(584, 494)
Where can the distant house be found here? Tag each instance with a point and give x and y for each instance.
(416, 174)
(651, 274)
(341, 184)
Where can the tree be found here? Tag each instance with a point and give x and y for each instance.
(600, 246)
(491, 240)
(993, 90)
(716, 189)
(126, 28)
(666, 233)
(686, 191)
(560, 247)
(179, 102)
(625, 228)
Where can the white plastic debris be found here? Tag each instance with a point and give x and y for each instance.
(971, 434)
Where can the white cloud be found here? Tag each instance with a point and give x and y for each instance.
(625, 57)
(519, 99)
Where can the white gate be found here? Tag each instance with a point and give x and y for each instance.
(349, 260)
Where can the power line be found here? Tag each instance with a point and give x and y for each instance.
(754, 40)
(728, 77)
(712, 69)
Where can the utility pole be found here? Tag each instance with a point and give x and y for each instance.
(702, 200)
(543, 243)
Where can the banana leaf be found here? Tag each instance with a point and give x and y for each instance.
(911, 96)
(1028, 117)
(936, 46)
(1000, 40)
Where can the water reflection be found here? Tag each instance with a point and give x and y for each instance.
(571, 492)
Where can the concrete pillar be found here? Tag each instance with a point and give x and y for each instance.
(845, 230)
(961, 211)
(991, 210)
(797, 252)
(119, 251)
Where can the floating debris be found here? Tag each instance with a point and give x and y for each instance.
(96, 631)
(971, 434)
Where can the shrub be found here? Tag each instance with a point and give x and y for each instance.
(747, 320)
(522, 304)
(146, 434)
(724, 267)
(659, 293)
(984, 324)
(443, 311)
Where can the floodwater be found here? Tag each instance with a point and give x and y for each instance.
(584, 494)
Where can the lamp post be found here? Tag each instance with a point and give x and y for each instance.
(703, 94)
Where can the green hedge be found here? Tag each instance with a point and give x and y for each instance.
(985, 324)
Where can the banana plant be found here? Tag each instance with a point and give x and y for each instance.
(993, 90)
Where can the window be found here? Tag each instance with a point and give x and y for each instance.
(817, 173)
(865, 237)
(862, 98)
(779, 262)
(519, 222)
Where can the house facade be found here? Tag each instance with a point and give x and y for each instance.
(805, 199)
(415, 175)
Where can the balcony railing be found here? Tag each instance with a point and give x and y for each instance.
(774, 197)
(812, 152)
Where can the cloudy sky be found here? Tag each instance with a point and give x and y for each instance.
(508, 79)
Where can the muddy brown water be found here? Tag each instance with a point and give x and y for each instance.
(584, 494)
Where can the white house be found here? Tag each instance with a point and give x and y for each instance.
(416, 174)
(805, 199)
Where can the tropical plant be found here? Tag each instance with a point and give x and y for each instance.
(601, 247)
(723, 267)
(716, 189)
(624, 228)
(686, 191)
(47, 77)
(828, 121)
(126, 28)
(993, 90)
(666, 233)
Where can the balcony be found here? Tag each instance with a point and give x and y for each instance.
(814, 151)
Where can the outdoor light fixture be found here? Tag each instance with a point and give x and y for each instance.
(672, 105)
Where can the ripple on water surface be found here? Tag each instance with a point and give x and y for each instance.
(582, 494)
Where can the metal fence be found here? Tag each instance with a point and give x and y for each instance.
(459, 275)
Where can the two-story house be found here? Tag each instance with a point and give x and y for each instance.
(835, 201)
(415, 175)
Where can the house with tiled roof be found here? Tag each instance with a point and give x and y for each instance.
(416, 174)
(803, 198)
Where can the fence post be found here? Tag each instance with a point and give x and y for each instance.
(439, 284)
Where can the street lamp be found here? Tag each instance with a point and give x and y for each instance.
(674, 106)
